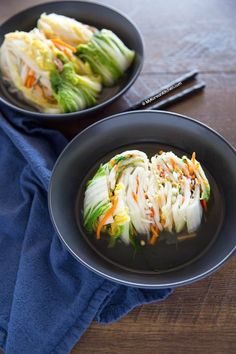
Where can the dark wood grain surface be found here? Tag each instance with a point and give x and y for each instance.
(179, 36)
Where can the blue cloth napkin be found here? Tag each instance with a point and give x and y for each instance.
(47, 298)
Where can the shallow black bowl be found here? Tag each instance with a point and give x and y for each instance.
(161, 265)
(96, 15)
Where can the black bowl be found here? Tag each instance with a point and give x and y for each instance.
(96, 15)
(161, 265)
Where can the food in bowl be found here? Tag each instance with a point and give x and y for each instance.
(62, 65)
(131, 195)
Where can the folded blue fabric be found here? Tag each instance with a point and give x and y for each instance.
(47, 298)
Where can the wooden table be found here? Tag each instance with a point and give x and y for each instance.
(179, 36)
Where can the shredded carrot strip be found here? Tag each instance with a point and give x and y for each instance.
(190, 169)
(59, 42)
(204, 205)
(154, 237)
(153, 228)
(27, 82)
(60, 47)
(63, 49)
(135, 196)
(105, 218)
(152, 212)
(193, 159)
(173, 163)
(30, 79)
(137, 187)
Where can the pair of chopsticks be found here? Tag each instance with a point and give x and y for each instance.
(156, 101)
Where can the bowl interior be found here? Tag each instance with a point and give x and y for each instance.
(168, 254)
(164, 265)
(93, 14)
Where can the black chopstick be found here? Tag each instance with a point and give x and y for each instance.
(179, 97)
(163, 91)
